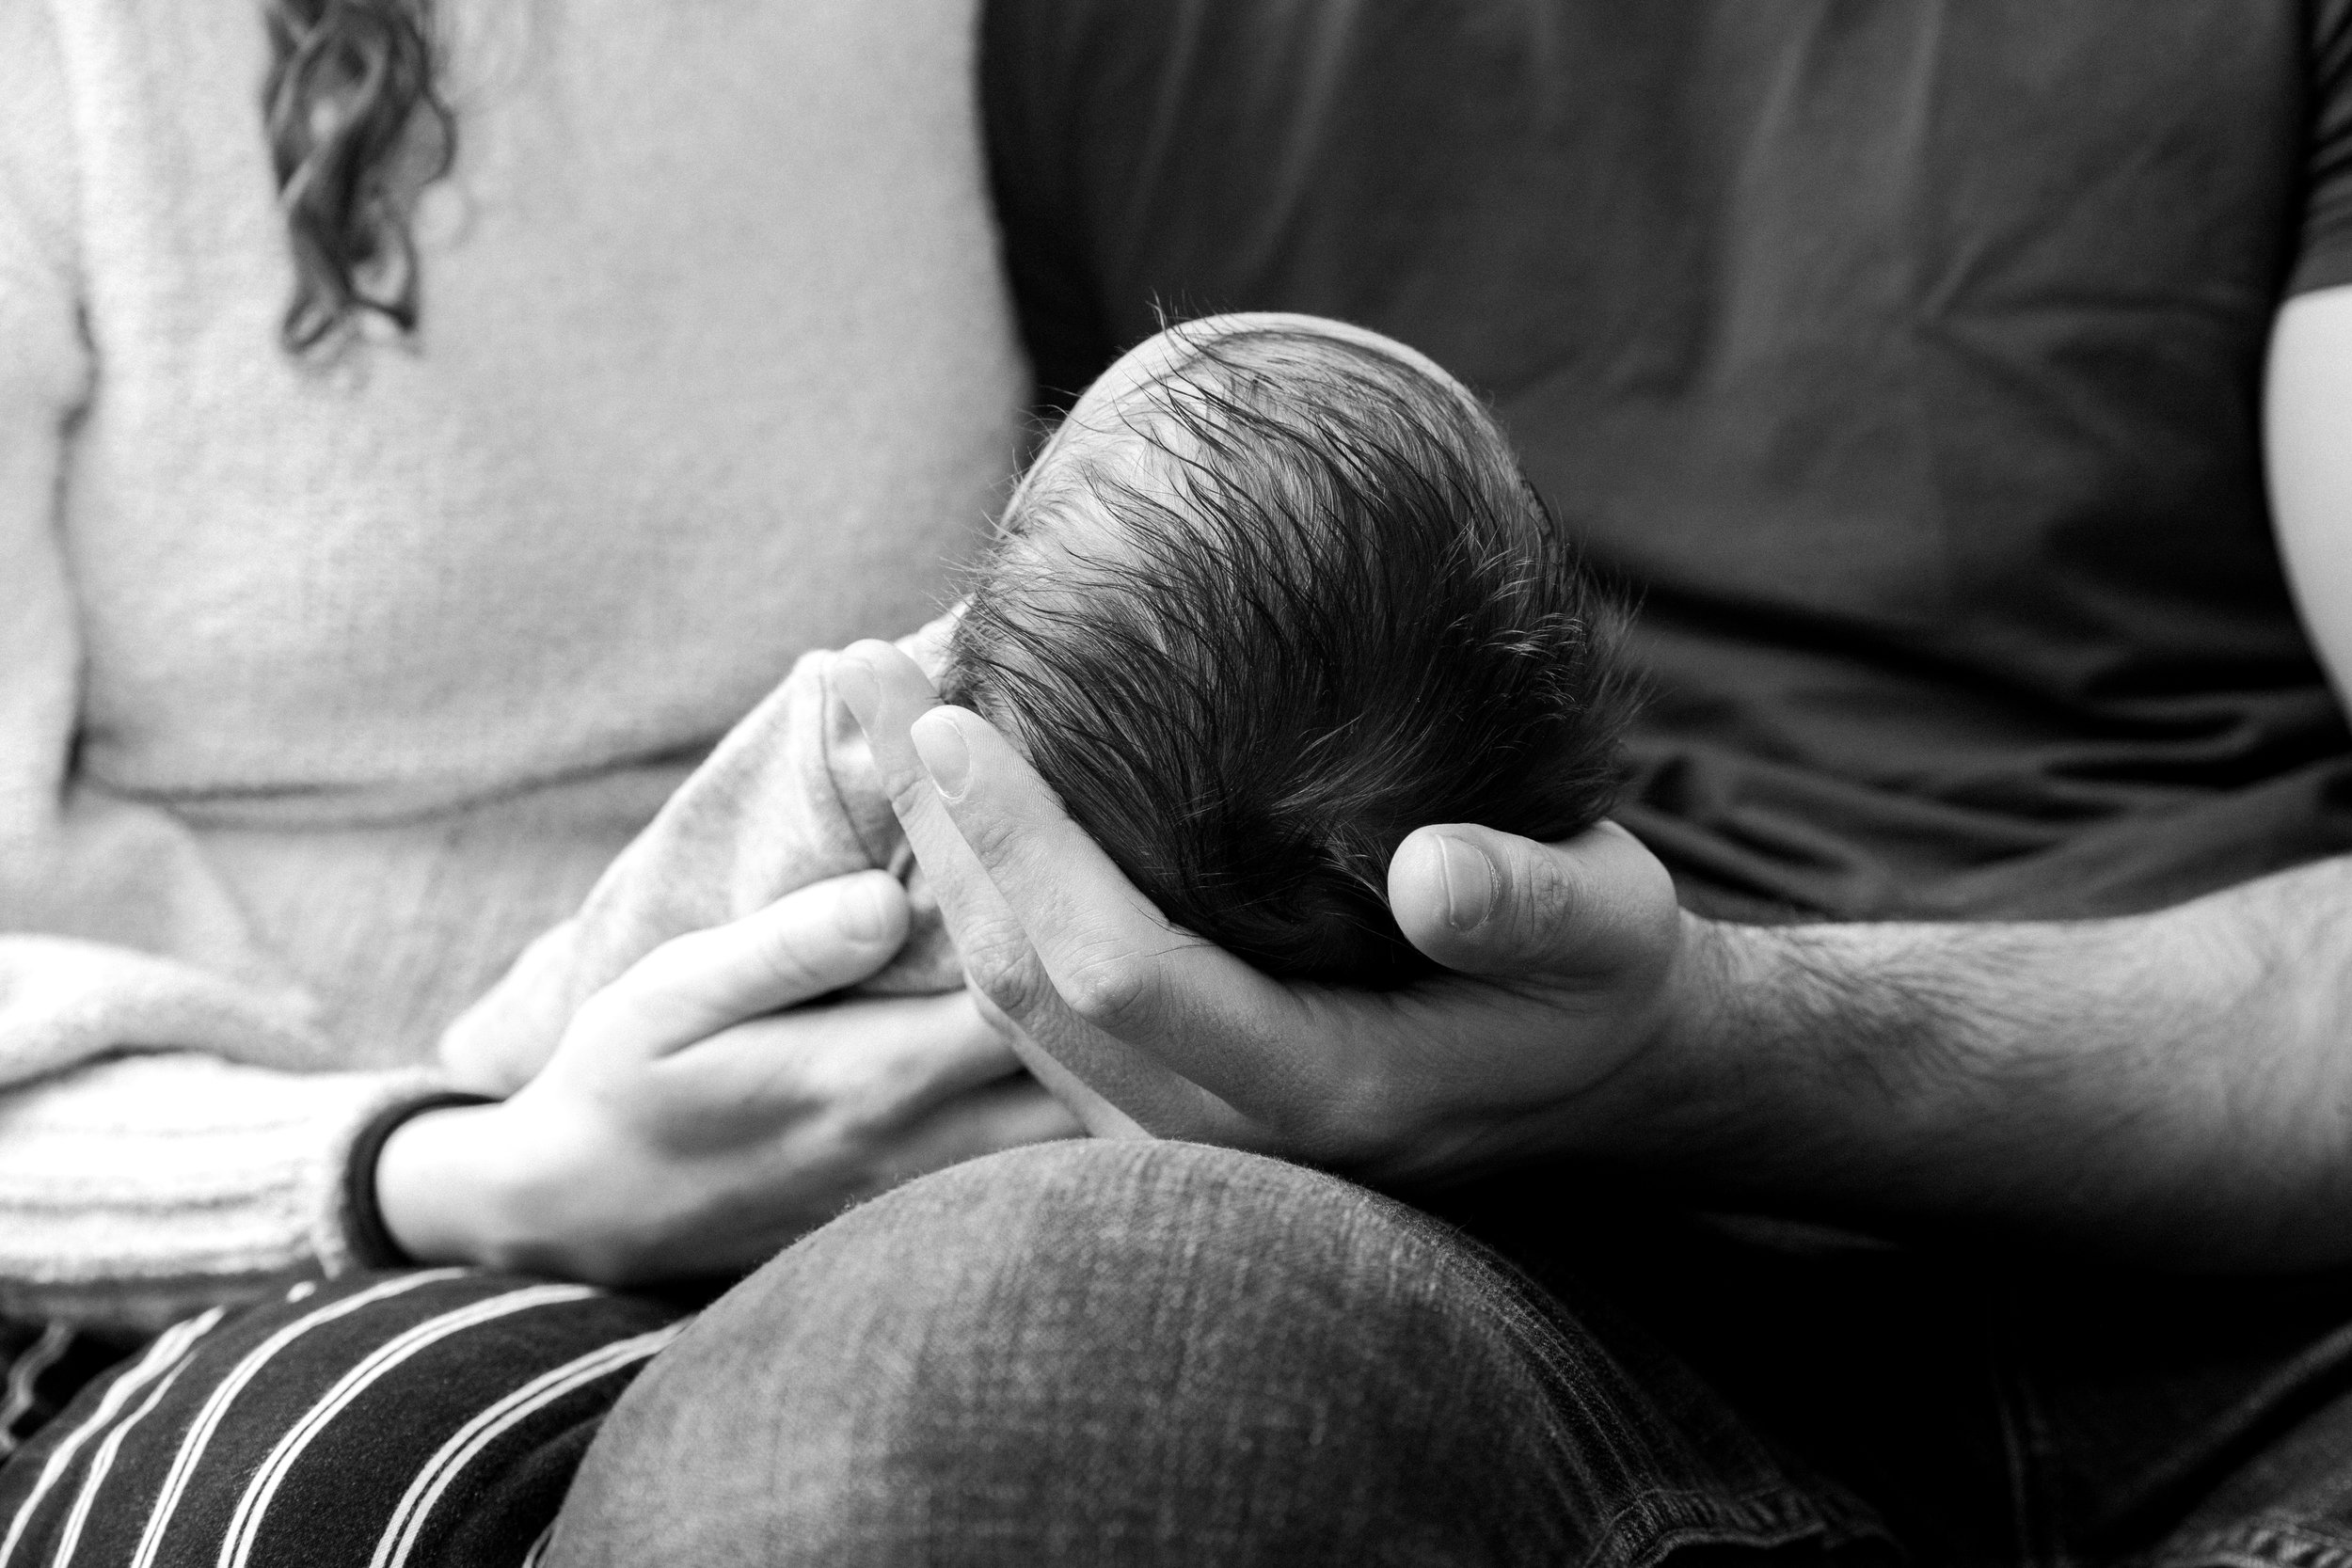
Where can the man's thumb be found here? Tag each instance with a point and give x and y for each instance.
(1491, 903)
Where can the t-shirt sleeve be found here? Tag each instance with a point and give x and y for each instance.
(2324, 258)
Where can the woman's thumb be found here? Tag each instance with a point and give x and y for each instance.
(1492, 903)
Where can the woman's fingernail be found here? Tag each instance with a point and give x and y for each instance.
(863, 916)
(940, 743)
(1470, 883)
(858, 688)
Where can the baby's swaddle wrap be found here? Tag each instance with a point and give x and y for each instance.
(788, 797)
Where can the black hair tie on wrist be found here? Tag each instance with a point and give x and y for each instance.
(372, 1242)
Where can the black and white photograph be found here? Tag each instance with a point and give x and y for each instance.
(1258, 784)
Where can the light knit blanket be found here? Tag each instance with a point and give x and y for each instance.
(789, 798)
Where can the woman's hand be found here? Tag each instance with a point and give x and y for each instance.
(687, 1125)
(1566, 1045)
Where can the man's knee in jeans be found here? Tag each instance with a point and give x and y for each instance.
(1122, 1352)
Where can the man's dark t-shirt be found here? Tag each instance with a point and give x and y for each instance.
(1902, 358)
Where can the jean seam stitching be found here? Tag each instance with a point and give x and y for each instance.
(1772, 1515)
(2265, 1542)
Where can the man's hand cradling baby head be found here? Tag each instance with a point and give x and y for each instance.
(1275, 595)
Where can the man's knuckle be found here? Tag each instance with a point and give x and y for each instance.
(995, 841)
(905, 788)
(1000, 966)
(1109, 991)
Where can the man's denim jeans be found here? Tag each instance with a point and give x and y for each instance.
(1162, 1353)
(1166, 1354)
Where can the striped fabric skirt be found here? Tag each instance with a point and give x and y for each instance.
(385, 1420)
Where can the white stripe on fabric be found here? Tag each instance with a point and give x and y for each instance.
(170, 1346)
(100, 1464)
(236, 1547)
(467, 1444)
(538, 1547)
(38, 1358)
(217, 1405)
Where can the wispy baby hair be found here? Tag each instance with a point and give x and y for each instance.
(1296, 600)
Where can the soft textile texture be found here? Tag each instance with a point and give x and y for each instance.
(401, 1419)
(789, 798)
(1143, 1352)
(324, 689)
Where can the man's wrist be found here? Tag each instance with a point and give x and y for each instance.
(1769, 1045)
(1676, 1092)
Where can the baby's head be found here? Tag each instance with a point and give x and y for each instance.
(1275, 595)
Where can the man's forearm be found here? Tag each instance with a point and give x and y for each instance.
(2172, 1087)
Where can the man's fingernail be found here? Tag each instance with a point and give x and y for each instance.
(863, 916)
(858, 688)
(1470, 883)
(945, 758)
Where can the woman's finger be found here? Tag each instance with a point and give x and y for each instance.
(810, 941)
(898, 1056)
(1042, 965)
(948, 1049)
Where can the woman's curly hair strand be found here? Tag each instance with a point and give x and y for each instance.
(355, 129)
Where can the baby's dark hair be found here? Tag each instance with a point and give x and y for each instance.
(1298, 601)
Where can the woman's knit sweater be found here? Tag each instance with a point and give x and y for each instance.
(324, 687)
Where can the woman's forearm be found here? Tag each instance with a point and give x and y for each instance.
(2173, 1088)
(137, 1190)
